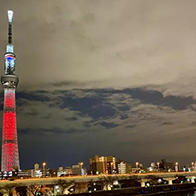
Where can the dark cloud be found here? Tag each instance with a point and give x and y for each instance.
(86, 114)
(124, 108)
(157, 98)
(92, 106)
(107, 124)
(32, 96)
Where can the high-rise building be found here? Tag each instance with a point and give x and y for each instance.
(122, 167)
(102, 165)
(10, 156)
(111, 165)
(98, 165)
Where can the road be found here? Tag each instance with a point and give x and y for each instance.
(89, 178)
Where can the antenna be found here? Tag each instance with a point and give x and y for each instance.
(10, 18)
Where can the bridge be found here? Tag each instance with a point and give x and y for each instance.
(81, 184)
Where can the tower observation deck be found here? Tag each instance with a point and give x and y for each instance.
(10, 155)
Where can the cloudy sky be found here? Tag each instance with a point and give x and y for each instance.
(103, 77)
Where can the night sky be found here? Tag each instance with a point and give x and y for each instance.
(104, 77)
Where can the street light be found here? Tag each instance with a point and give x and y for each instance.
(44, 169)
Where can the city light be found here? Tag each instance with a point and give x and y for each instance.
(10, 15)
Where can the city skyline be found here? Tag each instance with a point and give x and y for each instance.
(113, 78)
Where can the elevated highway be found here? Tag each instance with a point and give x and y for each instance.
(92, 178)
(82, 182)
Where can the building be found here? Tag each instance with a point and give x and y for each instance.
(36, 172)
(78, 169)
(36, 166)
(167, 166)
(111, 165)
(122, 167)
(193, 166)
(10, 155)
(98, 165)
(60, 172)
(102, 165)
(128, 168)
(24, 174)
(73, 170)
(153, 167)
(68, 171)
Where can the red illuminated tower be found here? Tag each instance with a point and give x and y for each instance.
(10, 156)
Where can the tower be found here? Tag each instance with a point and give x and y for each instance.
(10, 156)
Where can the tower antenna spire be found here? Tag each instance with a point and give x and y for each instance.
(10, 18)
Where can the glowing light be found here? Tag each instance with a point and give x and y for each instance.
(10, 15)
(10, 48)
(10, 159)
(9, 98)
(11, 56)
(9, 126)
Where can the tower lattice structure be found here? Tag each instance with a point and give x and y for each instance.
(10, 155)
